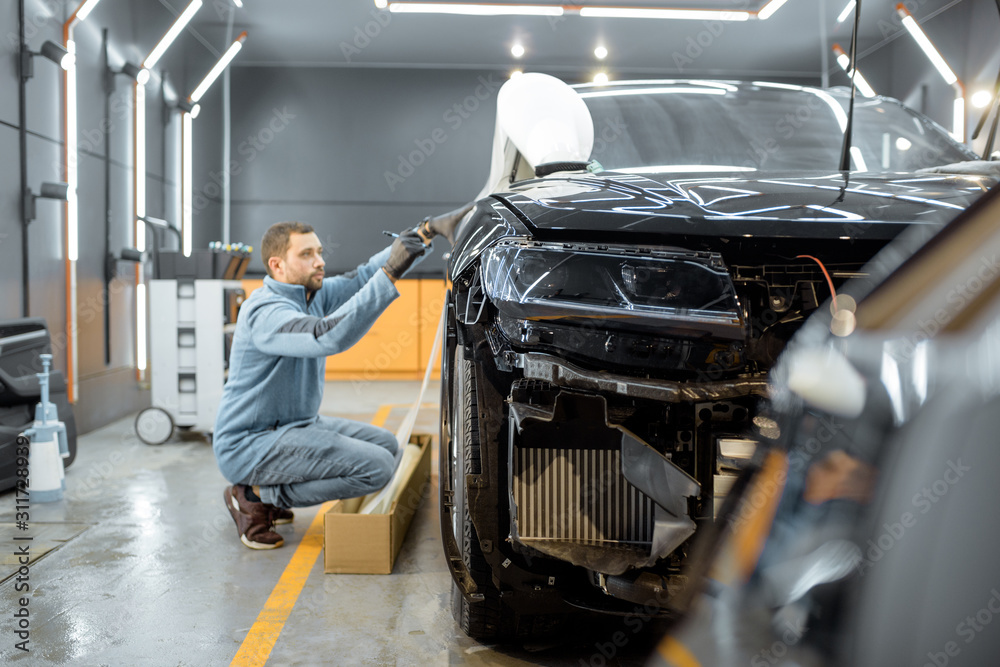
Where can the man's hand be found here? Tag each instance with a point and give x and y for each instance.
(444, 225)
(405, 250)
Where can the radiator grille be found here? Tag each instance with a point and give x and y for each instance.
(578, 495)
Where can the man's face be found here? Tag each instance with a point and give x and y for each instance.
(302, 264)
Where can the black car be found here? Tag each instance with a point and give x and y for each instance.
(615, 309)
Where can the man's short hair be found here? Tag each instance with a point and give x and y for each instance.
(276, 240)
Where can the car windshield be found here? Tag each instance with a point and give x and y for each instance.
(761, 127)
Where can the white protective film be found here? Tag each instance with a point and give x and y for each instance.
(544, 119)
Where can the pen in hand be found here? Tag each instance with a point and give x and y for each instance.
(390, 234)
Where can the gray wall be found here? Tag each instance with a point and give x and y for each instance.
(315, 145)
(106, 390)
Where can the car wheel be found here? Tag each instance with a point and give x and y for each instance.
(479, 620)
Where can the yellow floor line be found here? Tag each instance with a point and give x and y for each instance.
(263, 635)
(381, 415)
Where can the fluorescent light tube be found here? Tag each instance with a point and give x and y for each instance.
(770, 8)
(847, 11)
(638, 13)
(859, 81)
(845, 64)
(474, 9)
(862, 84)
(928, 48)
(216, 70)
(84, 11)
(140, 166)
(175, 30)
(72, 210)
(186, 184)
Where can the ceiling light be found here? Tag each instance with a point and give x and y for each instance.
(516, 73)
(85, 9)
(637, 13)
(214, 73)
(770, 8)
(903, 144)
(847, 11)
(601, 77)
(958, 121)
(474, 9)
(238, 3)
(381, 4)
(600, 53)
(981, 98)
(845, 63)
(517, 50)
(925, 45)
(862, 84)
(175, 30)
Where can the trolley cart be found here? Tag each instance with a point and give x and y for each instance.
(191, 324)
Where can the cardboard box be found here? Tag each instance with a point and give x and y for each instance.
(369, 543)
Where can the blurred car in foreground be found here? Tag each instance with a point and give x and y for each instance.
(862, 533)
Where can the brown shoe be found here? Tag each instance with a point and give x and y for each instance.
(280, 515)
(253, 520)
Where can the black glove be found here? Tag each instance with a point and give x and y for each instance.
(407, 247)
(445, 224)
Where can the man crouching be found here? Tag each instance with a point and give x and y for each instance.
(269, 439)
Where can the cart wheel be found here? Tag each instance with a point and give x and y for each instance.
(154, 426)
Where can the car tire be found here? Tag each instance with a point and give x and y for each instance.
(489, 619)
(480, 620)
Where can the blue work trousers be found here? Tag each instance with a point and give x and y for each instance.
(329, 459)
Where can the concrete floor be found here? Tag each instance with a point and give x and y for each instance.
(149, 570)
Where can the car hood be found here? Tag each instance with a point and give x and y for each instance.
(821, 205)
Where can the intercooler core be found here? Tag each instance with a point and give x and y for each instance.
(580, 495)
(570, 489)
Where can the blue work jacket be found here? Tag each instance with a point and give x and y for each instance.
(277, 365)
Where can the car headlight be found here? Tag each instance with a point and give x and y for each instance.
(668, 291)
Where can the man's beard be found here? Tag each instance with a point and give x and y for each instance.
(312, 282)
